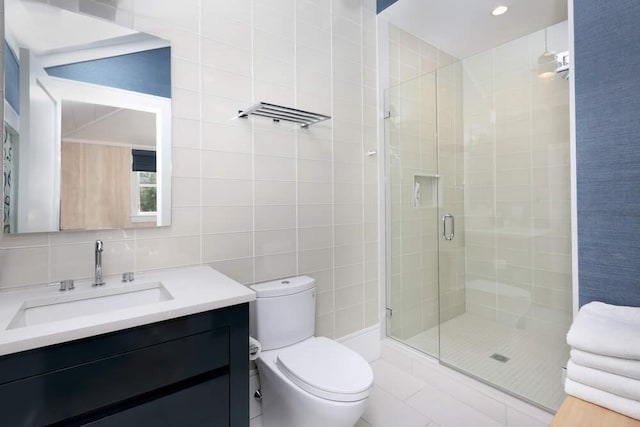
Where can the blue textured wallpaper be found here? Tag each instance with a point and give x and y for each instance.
(147, 72)
(607, 79)
(11, 78)
(383, 4)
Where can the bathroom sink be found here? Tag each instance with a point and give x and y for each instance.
(92, 301)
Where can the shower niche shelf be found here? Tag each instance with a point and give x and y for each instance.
(425, 191)
(279, 112)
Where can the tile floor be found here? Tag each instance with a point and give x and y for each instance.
(535, 360)
(400, 399)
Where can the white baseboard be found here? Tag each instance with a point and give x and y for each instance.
(365, 342)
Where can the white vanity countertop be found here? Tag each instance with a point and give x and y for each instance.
(194, 290)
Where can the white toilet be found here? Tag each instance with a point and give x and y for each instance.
(305, 380)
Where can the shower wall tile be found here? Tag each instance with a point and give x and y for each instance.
(255, 199)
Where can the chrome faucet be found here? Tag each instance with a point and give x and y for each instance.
(98, 279)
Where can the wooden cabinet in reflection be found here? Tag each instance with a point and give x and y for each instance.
(95, 187)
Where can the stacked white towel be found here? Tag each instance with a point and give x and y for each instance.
(605, 357)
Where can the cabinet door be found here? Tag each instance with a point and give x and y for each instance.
(204, 404)
(77, 392)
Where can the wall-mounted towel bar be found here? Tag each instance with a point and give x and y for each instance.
(278, 112)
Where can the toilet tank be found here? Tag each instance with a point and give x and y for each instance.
(285, 311)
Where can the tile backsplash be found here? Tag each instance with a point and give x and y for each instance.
(256, 200)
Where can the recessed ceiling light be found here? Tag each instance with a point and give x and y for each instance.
(500, 10)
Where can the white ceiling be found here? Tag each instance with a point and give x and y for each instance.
(44, 28)
(102, 124)
(466, 27)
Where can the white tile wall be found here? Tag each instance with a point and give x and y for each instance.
(254, 199)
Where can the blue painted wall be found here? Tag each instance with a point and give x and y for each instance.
(383, 4)
(147, 72)
(11, 78)
(607, 79)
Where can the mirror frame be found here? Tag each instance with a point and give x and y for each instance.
(111, 96)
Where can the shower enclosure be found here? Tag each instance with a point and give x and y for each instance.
(478, 218)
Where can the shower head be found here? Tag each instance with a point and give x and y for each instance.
(551, 64)
(546, 62)
(547, 65)
(562, 64)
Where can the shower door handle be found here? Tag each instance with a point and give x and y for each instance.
(446, 236)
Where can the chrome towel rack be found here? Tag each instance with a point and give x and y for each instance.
(279, 112)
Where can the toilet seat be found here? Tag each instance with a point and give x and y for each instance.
(326, 369)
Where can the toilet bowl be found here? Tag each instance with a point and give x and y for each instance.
(305, 380)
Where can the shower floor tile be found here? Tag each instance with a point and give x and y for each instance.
(533, 370)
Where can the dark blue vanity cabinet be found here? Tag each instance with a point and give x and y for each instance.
(184, 372)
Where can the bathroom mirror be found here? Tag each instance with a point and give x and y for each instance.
(87, 122)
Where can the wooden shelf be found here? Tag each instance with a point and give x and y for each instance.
(575, 412)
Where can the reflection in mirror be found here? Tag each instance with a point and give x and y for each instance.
(87, 123)
(108, 153)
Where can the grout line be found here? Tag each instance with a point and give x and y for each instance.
(201, 129)
(253, 144)
(296, 134)
(49, 258)
(362, 171)
(134, 232)
(333, 172)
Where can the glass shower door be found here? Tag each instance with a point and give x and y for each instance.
(509, 262)
(478, 219)
(412, 214)
(451, 248)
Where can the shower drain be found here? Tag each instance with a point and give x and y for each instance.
(499, 357)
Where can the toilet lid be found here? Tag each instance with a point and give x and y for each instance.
(326, 369)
